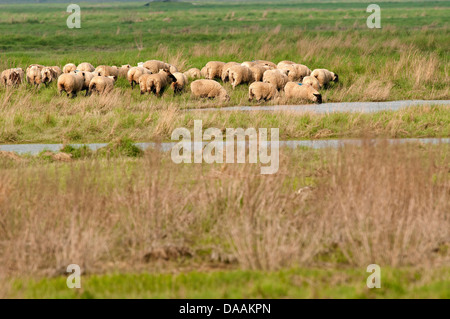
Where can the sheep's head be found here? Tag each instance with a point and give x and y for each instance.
(114, 78)
(335, 78)
(169, 74)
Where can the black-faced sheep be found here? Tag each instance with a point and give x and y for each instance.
(240, 74)
(135, 73)
(157, 83)
(294, 90)
(214, 69)
(70, 67)
(262, 91)
(102, 84)
(180, 83)
(226, 70)
(86, 67)
(193, 73)
(71, 83)
(324, 76)
(276, 77)
(209, 89)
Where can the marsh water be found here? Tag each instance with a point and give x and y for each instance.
(34, 149)
(365, 107)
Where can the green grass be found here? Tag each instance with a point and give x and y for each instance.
(294, 283)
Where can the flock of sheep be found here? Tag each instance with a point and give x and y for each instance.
(267, 80)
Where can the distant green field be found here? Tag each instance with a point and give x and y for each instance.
(296, 283)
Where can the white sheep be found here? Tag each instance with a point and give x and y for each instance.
(294, 90)
(276, 77)
(262, 91)
(193, 73)
(106, 70)
(12, 77)
(214, 69)
(157, 83)
(85, 66)
(135, 73)
(324, 76)
(70, 83)
(311, 81)
(102, 84)
(209, 89)
(226, 70)
(240, 74)
(70, 67)
(155, 65)
(34, 75)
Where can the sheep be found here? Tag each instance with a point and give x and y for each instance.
(302, 91)
(157, 83)
(88, 76)
(102, 84)
(123, 70)
(105, 70)
(249, 64)
(226, 70)
(214, 69)
(155, 65)
(209, 89)
(240, 74)
(193, 73)
(311, 81)
(204, 72)
(324, 76)
(135, 73)
(295, 72)
(85, 66)
(71, 83)
(269, 64)
(258, 71)
(262, 91)
(172, 68)
(48, 75)
(180, 83)
(276, 77)
(34, 75)
(143, 82)
(12, 77)
(69, 68)
(57, 70)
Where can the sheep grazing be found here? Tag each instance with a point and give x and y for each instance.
(249, 64)
(85, 66)
(209, 89)
(12, 77)
(214, 69)
(34, 75)
(193, 73)
(180, 83)
(88, 76)
(106, 70)
(269, 64)
(143, 82)
(311, 81)
(49, 74)
(262, 91)
(71, 83)
(204, 72)
(240, 74)
(324, 76)
(70, 67)
(276, 77)
(295, 72)
(172, 68)
(226, 70)
(155, 65)
(300, 91)
(102, 84)
(135, 73)
(157, 83)
(258, 71)
(123, 70)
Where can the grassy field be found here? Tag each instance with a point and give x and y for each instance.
(141, 226)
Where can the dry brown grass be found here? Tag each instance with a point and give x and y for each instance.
(376, 204)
